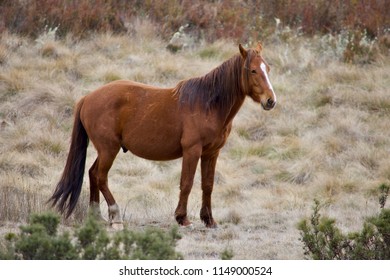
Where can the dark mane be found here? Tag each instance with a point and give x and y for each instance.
(218, 89)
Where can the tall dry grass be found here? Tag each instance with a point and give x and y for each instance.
(328, 137)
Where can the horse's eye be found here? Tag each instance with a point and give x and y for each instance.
(253, 72)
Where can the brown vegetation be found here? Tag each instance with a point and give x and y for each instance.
(212, 20)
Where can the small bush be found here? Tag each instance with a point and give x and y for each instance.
(227, 254)
(40, 240)
(359, 48)
(324, 241)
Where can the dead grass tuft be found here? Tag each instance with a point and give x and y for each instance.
(19, 200)
(233, 217)
(3, 54)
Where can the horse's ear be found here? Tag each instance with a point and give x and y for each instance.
(243, 51)
(259, 47)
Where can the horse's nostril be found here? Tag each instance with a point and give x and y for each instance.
(270, 102)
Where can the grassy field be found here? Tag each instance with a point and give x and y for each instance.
(328, 137)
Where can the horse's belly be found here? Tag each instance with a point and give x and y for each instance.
(153, 143)
(155, 151)
(160, 156)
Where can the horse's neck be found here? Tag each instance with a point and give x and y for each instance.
(238, 99)
(234, 110)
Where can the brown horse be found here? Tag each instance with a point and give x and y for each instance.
(191, 120)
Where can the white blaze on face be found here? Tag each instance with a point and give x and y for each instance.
(264, 69)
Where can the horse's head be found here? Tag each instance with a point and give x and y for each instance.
(255, 76)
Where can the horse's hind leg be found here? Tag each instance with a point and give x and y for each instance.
(103, 164)
(94, 198)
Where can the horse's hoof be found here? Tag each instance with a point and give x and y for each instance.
(183, 221)
(212, 225)
(189, 226)
(117, 226)
(209, 223)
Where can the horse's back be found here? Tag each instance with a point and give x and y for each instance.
(123, 90)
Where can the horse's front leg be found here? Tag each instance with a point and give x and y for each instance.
(190, 161)
(208, 164)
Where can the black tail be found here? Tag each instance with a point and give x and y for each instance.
(68, 188)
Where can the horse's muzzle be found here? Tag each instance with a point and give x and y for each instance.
(270, 104)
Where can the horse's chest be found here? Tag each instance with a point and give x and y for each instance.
(216, 139)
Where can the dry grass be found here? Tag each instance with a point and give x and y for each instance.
(328, 138)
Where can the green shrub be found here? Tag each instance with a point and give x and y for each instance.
(40, 240)
(324, 241)
(227, 254)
